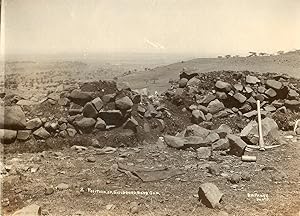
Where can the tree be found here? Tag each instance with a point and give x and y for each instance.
(280, 52)
(252, 54)
(262, 54)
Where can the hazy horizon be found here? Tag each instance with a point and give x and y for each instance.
(196, 27)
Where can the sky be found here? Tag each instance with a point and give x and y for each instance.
(204, 27)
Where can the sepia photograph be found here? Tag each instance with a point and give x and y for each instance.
(150, 108)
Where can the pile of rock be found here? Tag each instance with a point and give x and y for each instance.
(215, 96)
(82, 110)
(212, 96)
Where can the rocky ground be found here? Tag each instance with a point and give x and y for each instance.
(103, 148)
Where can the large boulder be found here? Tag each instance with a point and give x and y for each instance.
(131, 123)
(100, 124)
(85, 123)
(215, 106)
(12, 117)
(274, 84)
(197, 116)
(221, 145)
(7, 136)
(26, 103)
(292, 104)
(223, 113)
(252, 102)
(193, 82)
(185, 142)
(293, 94)
(270, 108)
(261, 89)
(71, 132)
(252, 79)
(136, 98)
(203, 109)
(75, 109)
(246, 107)
(108, 98)
(89, 110)
(223, 130)
(223, 86)
(31, 210)
(41, 133)
(248, 89)
(271, 93)
(23, 135)
(239, 98)
(34, 124)
(123, 86)
(237, 145)
(54, 96)
(98, 103)
(208, 98)
(250, 132)
(80, 97)
(250, 114)
(112, 117)
(196, 130)
(238, 87)
(209, 195)
(124, 103)
(212, 137)
(221, 95)
(183, 82)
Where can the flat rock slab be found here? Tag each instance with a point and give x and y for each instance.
(252, 79)
(185, 142)
(210, 195)
(274, 84)
(150, 175)
(31, 210)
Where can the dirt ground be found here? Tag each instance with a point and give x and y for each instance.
(275, 175)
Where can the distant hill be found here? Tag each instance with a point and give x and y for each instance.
(158, 78)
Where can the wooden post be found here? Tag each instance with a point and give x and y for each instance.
(260, 134)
